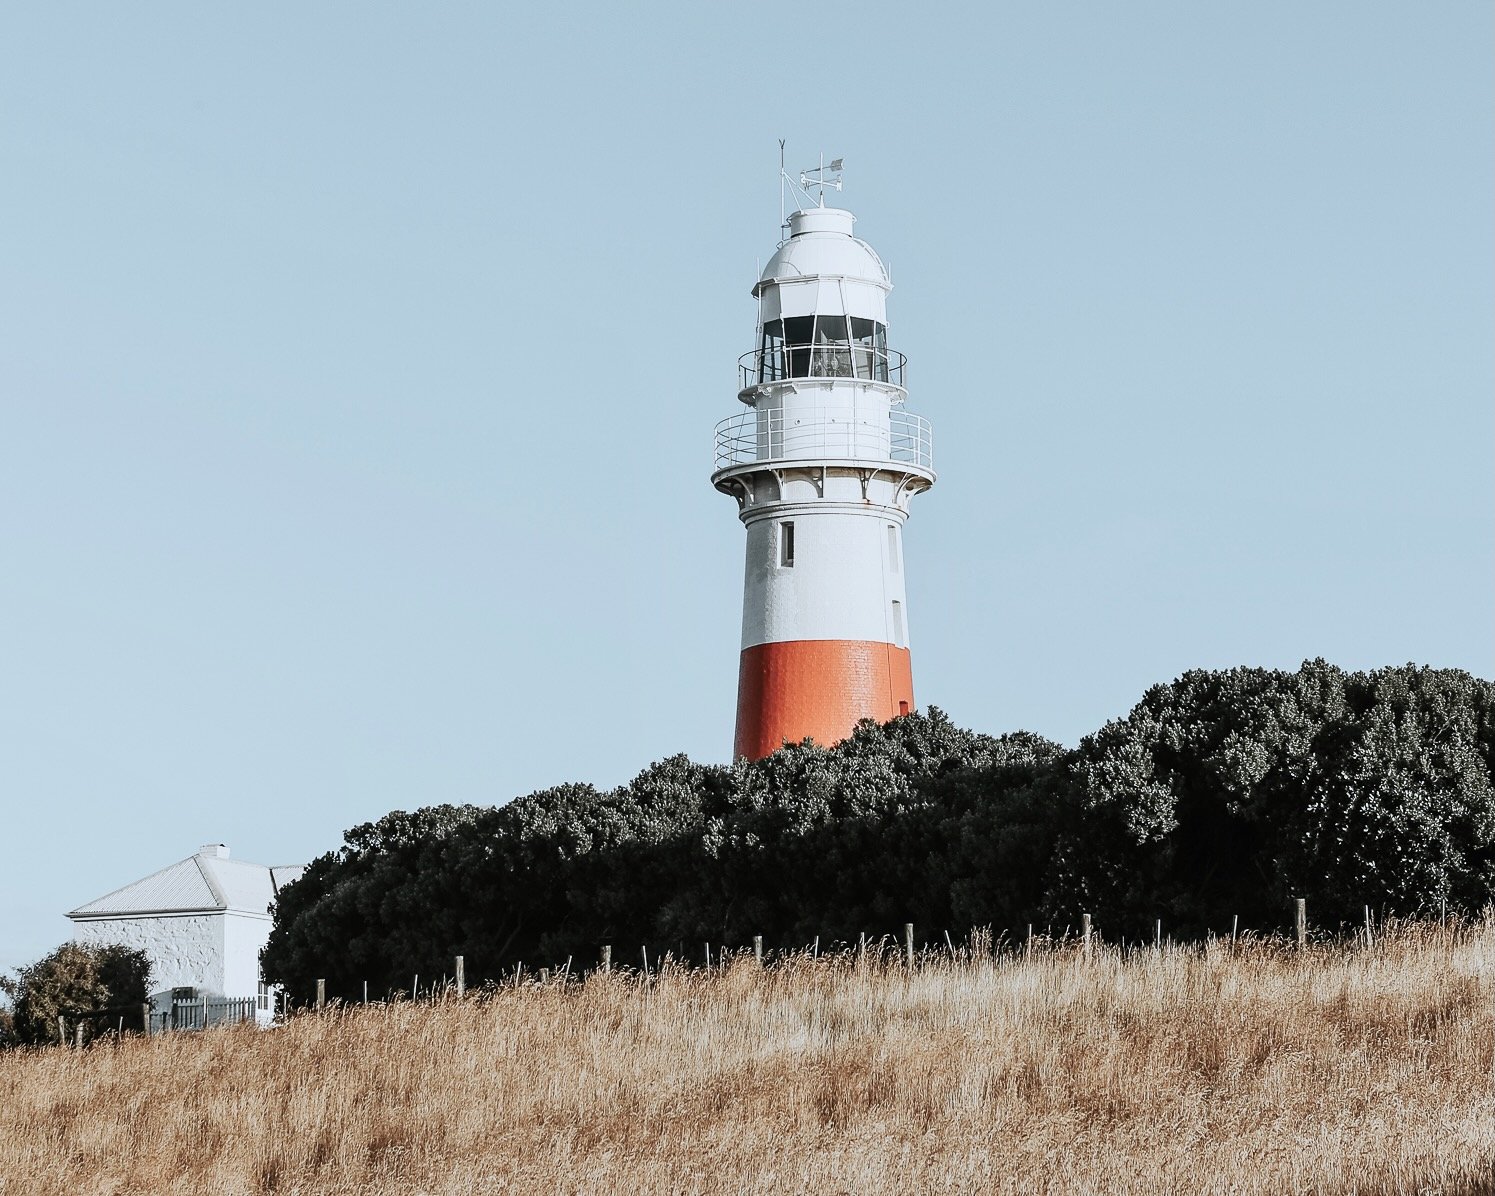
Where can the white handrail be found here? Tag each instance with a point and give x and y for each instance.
(824, 434)
(823, 359)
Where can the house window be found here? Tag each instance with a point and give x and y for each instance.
(786, 545)
(262, 1000)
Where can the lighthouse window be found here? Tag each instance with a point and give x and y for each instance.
(785, 351)
(771, 363)
(799, 332)
(832, 357)
(786, 545)
(824, 346)
(892, 548)
(869, 343)
(898, 624)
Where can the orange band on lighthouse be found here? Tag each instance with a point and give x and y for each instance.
(817, 688)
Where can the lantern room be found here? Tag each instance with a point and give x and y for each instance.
(822, 308)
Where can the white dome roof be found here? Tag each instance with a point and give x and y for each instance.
(821, 244)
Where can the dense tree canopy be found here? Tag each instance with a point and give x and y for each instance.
(1221, 794)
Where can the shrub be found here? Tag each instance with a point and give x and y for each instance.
(77, 982)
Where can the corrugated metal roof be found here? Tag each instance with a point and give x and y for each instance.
(201, 882)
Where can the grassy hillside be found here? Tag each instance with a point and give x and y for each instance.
(1192, 1070)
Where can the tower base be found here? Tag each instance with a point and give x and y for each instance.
(817, 688)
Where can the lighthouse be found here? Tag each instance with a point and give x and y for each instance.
(823, 462)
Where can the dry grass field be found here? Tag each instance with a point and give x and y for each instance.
(1191, 1070)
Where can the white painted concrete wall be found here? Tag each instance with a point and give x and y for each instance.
(184, 949)
(243, 937)
(845, 578)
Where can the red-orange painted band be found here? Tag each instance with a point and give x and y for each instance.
(817, 688)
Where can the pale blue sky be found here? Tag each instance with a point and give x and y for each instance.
(358, 367)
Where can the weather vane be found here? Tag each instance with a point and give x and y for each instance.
(817, 178)
(821, 177)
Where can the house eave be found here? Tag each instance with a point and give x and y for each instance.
(113, 915)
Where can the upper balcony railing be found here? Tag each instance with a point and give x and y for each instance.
(819, 434)
(836, 359)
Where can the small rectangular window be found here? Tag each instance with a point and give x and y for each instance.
(786, 545)
(892, 548)
(898, 623)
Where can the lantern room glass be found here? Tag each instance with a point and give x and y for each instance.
(823, 346)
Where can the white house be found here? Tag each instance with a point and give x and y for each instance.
(202, 922)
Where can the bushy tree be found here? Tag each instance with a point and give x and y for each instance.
(78, 982)
(1228, 792)
(1221, 793)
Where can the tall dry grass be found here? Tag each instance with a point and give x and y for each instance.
(1191, 1070)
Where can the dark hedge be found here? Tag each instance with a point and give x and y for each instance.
(1221, 794)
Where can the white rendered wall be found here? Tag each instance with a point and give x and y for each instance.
(243, 937)
(824, 422)
(184, 949)
(846, 576)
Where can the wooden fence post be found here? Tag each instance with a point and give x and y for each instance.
(1028, 946)
(908, 944)
(1157, 935)
(1085, 933)
(1370, 938)
(365, 992)
(758, 949)
(1235, 923)
(461, 975)
(544, 976)
(815, 948)
(145, 1017)
(708, 957)
(1300, 917)
(321, 994)
(606, 963)
(645, 952)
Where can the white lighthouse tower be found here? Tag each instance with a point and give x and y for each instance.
(822, 463)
